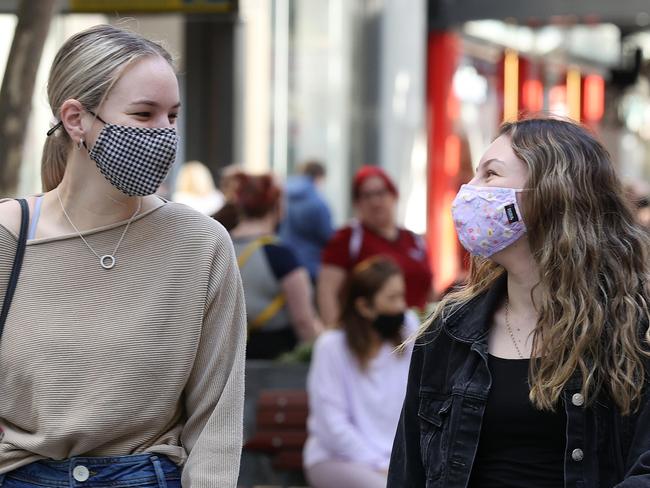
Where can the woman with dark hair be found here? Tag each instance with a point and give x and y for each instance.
(535, 372)
(357, 381)
(277, 287)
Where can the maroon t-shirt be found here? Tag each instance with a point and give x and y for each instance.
(407, 250)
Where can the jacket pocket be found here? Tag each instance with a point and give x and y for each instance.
(433, 412)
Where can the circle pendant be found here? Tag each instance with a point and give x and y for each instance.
(107, 261)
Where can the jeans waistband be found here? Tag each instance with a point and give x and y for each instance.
(142, 470)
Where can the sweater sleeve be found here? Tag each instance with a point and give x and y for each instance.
(214, 394)
(329, 410)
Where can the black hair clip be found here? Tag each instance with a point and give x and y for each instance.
(53, 129)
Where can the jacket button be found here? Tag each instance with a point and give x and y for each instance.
(577, 455)
(578, 400)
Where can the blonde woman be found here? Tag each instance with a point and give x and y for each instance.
(535, 373)
(195, 188)
(123, 350)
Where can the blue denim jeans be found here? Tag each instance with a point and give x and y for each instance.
(141, 470)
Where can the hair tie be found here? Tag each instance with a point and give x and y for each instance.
(53, 129)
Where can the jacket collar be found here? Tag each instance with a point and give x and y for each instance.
(470, 322)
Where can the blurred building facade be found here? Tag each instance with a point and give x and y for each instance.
(271, 83)
(488, 63)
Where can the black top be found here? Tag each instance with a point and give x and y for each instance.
(519, 445)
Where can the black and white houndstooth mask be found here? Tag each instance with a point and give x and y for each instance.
(135, 160)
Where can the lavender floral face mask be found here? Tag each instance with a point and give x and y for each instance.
(487, 219)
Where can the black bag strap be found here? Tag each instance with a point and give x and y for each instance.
(18, 263)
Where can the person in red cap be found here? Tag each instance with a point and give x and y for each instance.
(373, 232)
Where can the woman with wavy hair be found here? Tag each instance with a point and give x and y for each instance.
(534, 373)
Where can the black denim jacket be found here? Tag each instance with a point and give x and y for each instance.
(448, 385)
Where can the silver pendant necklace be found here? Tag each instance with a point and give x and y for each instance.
(107, 261)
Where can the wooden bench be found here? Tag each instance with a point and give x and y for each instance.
(281, 428)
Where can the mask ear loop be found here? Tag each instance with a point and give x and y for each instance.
(517, 207)
(95, 117)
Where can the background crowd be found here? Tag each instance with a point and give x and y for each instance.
(359, 289)
(294, 264)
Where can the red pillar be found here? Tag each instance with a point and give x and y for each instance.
(593, 100)
(443, 156)
(531, 87)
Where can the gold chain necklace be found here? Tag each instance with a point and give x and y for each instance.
(509, 329)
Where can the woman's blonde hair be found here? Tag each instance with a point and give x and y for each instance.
(194, 178)
(85, 69)
(592, 297)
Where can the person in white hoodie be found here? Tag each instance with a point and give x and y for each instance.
(357, 381)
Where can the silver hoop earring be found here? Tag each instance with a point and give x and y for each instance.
(79, 144)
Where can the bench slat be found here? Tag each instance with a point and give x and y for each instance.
(272, 441)
(282, 419)
(283, 398)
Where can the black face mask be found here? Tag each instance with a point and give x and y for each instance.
(388, 325)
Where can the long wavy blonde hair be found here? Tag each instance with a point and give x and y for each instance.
(592, 297)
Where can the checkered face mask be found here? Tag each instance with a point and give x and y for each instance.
(135, 160)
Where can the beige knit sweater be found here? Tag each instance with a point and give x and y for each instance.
(146, 357)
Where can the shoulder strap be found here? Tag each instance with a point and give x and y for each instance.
(356, 240)
(253, 246)
(419, 241)
(272, 309)
(35, 216)
(18, 262)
